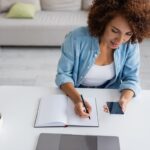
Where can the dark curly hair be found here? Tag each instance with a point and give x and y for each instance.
(136, 12)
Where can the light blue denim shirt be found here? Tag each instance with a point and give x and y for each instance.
(78, 53)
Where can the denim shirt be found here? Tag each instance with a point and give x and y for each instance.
(78, 53)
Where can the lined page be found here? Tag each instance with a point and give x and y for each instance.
(52, 111)
(75, 120)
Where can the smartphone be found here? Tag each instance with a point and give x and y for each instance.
(114, 108)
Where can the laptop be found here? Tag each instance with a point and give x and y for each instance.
(49, 141)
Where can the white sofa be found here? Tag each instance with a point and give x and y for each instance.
(47, 28)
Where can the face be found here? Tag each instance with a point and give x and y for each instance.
(116, 33)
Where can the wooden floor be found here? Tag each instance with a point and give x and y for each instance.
(37, 65)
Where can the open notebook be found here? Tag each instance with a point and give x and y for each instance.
(58, 110)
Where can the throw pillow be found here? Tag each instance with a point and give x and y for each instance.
(22, 10)
(6, 4)
(86, 4)
(61, 5)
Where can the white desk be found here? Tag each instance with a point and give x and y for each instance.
(18, 106)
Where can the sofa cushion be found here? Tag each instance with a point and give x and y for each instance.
(48, 28)
(61, 5)
(6, 4)
(86, 4)
(22, 10)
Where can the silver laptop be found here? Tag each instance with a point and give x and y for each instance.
(48, 141)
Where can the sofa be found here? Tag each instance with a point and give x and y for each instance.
(52, 21)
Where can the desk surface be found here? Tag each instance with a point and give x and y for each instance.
(18, 106)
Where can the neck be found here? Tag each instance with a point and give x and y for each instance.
(105, 49)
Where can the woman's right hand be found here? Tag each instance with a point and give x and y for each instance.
(69, 90)
(80, 110)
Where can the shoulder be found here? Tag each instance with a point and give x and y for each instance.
(130, 53)
(133, 46)
(75, 38)
(79, 33)
(130, 48)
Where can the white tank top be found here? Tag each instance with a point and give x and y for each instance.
(98, 75)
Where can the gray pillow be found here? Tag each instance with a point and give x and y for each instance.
(61, 5)
(6, 4)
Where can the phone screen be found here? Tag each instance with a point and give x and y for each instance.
(114, 108)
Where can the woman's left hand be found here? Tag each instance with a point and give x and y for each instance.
(123, 103)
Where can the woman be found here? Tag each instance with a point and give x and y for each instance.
(105, 54)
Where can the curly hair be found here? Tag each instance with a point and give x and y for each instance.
(136, 12)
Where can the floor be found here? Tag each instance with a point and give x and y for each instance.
(37, 65)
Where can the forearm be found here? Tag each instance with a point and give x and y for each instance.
(70, 91)
(127, 95)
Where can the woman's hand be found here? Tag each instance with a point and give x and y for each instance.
(123, 104)
(80, 110)
(125, 98)
(105, 108)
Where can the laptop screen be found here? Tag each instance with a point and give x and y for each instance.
(76, 142)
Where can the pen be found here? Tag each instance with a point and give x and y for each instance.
(84, 105)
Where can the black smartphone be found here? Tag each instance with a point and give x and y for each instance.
(114, 108)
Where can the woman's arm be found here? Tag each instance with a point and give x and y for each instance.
(130, 77)
(74, 95)
(125, 98)
(130, 74)
(70, 91)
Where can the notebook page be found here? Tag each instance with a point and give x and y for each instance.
(52, 110)
(75, 120)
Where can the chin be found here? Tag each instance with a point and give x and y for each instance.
(114, 46)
